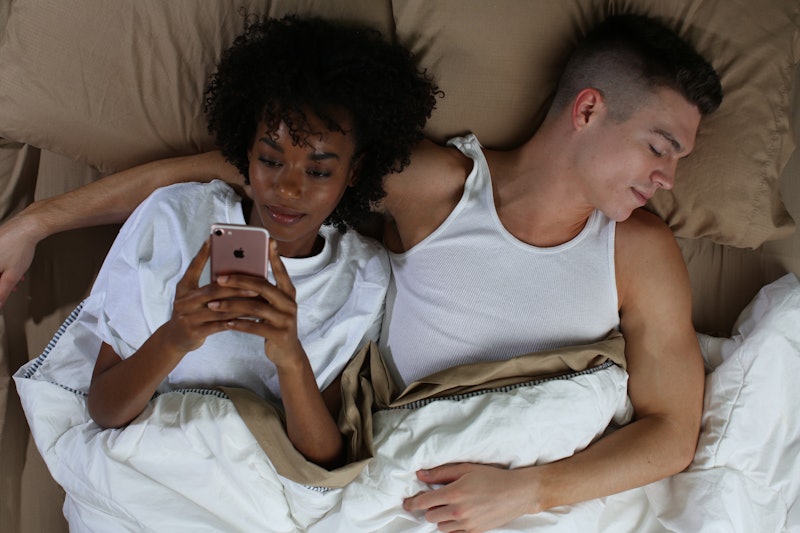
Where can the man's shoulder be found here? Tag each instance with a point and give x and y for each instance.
(433, 153)
(647, 254)
(643, 226)
(434, 170)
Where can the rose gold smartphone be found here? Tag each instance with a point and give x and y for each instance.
(239, 249)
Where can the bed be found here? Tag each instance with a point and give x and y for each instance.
(94, 87)
(192, 463)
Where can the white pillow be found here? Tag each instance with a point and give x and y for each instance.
(746, 473)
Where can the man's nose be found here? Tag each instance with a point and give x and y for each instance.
(664, 177)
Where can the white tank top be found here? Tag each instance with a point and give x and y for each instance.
(473, 292)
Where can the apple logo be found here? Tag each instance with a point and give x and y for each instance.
(238, 253)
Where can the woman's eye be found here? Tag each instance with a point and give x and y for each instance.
(318, 173)
(269, 162)
(655, 151)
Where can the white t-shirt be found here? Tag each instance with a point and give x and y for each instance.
(340, 292)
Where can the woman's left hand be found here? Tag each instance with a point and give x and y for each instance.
(272, 314)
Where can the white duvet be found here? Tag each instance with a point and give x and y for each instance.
(189, 463)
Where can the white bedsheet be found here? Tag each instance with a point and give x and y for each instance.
(188, 463)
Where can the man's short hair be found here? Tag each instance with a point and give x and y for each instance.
(628, 57)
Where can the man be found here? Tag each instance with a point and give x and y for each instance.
(627, 108)
(546, 240)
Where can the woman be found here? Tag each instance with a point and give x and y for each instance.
(313, 114)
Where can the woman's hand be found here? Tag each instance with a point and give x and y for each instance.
(121, 388)
(195, 313)
(273, 315)
(310, 416)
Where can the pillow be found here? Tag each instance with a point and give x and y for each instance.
(498, 67)
(116, 83)
(17, 176)
(5, 9)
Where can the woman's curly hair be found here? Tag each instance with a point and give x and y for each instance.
(277, 70)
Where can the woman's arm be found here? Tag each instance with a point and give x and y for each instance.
(109, 200)
(121, 388)
(310, 414)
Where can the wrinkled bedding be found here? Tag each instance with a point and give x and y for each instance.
(190, 463)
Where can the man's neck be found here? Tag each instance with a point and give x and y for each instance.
(535, 197)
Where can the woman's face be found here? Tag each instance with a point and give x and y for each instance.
(295, 187)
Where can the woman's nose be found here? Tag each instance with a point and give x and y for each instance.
(289, 184)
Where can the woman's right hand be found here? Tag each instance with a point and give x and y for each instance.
(121, 388)
(192, 319)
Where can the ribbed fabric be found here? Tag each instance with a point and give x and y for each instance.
(473, 292)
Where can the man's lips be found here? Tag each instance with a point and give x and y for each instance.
(284, 215)
(642, 197)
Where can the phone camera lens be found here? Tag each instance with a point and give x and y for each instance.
(218, 232)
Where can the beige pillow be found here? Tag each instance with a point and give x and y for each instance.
(498, 63)
(118, 82)
(115, 83)
(18, 165)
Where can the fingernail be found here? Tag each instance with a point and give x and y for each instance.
(213, 305)
(222, 279)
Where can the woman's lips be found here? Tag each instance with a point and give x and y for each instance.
(284, 215)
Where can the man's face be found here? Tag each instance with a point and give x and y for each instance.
(629, 161)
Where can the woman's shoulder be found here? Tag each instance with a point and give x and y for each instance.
(193, 192)
(189, 202)
(352, 243)
(359, 251)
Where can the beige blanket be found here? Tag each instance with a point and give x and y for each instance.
(368, 387)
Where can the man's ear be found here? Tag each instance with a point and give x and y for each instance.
(588, 105)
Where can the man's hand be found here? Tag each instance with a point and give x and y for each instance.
(105, 201)
(17, 245)
(474, 497)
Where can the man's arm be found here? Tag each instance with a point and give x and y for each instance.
(106, 201)
(665, 386)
